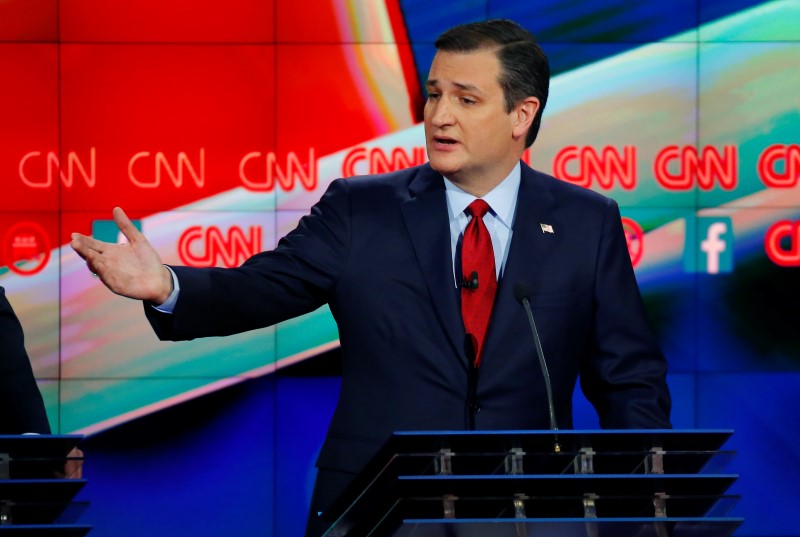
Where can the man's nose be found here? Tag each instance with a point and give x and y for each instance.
(442, 114)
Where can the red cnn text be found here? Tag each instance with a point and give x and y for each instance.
(210, 247)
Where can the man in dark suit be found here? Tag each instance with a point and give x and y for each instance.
(21, 406)
(393, 257)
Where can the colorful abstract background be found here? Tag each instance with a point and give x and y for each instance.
(216, 125)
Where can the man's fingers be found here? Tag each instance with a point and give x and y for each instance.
(84, 245)
(96, 267)
(76, 245)
(126, 226)
(90, 252)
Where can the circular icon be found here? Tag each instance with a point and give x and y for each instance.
(26, 248)
(634, 236)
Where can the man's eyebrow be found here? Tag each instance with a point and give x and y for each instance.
(467, 87)
(432, 82)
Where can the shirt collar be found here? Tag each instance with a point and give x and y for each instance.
(502, 198)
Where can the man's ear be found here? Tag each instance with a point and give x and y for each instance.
(523, 116)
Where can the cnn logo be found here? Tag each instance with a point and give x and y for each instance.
(782, 243)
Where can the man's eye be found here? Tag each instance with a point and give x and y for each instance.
(433, 96)
(467, 100)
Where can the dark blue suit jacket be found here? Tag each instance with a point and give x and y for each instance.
(21, 406)
(377, 250)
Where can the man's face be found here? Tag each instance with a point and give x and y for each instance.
(470, 138)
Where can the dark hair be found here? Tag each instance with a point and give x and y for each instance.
(525, 71)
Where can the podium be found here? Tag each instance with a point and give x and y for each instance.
(34, 501)
(614, 483)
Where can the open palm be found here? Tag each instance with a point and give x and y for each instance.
(133, 269)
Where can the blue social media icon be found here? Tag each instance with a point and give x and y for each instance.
(709, 245)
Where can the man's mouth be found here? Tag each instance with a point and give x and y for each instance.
(446, 141)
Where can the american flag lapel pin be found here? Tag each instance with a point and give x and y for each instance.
(547, 228)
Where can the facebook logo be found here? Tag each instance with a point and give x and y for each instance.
(107, 231)
(709, 245)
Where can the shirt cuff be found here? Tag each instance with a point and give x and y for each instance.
(169, 304)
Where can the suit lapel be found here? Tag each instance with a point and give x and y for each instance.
(530, 247)
(427, 223)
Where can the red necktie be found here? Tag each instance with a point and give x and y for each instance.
(479, 277)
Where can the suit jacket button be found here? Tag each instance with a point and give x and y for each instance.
(475, 407)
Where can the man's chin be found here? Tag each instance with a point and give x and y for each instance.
(448, 169)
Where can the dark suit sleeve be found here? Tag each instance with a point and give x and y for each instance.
(625, 379)
(295, 278)
(21, 406)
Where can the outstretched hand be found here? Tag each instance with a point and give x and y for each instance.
(133, 269)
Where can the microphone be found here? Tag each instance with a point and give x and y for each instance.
(522, 293)
(472, 282)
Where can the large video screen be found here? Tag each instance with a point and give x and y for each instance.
(216, 126)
